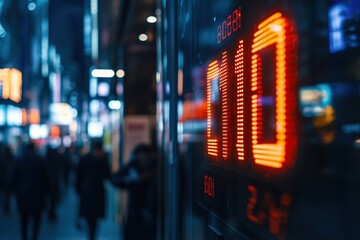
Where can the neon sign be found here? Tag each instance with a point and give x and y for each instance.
(11, 84)
(275, 36)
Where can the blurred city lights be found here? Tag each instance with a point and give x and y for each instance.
(120, 73)
(14, 116)
(95, 129)
(114, 104)
(37, 131)
(102, 73)
(31, 6)
(94, 106)
(143, 37)
(2, 31)
(2, 115)
(151, 19)
(103, 89)
(93, 87)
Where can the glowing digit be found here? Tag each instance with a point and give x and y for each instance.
(211, 75)
(275, 30)
(223, 32)
(236, 19)
(228, 26)
(219, 34)
(218, 94)
(250, 207)
(239, 73)
(225, 108)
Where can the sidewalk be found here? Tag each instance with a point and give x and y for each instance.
(64, 228)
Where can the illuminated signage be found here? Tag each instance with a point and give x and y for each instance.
(10, 84)
(272, 92)
(343, 25)
(14, 116)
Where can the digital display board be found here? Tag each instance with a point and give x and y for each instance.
(275, 81)
(273, 94)
(252, 112)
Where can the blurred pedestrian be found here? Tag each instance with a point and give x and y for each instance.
(65, 160)
(53, 164)
(139, 178)
(29, 181)
(8, 161)
(92, 171)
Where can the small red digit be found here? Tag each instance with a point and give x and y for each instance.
(236, 16)
(251, 204)
(219, 34)
(229, 26)
(223, 32)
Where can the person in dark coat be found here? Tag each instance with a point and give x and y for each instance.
(29, 180)
(53, 163)
(138, 177)
(8, 164)
(92, 171)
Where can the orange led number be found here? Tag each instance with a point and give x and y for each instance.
(212, 141)
(277, 31)
(213, 74)
(225, 109)
(239, 72)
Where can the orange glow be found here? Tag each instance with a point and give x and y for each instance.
(4, 78)
(34, 116)
(11, 81)
(193, 111)
(16, 85)
(225, 108)
(239, 72)
(24, 116)
(275, 30)
(222, 101)
(55, 131)
(212, 142)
